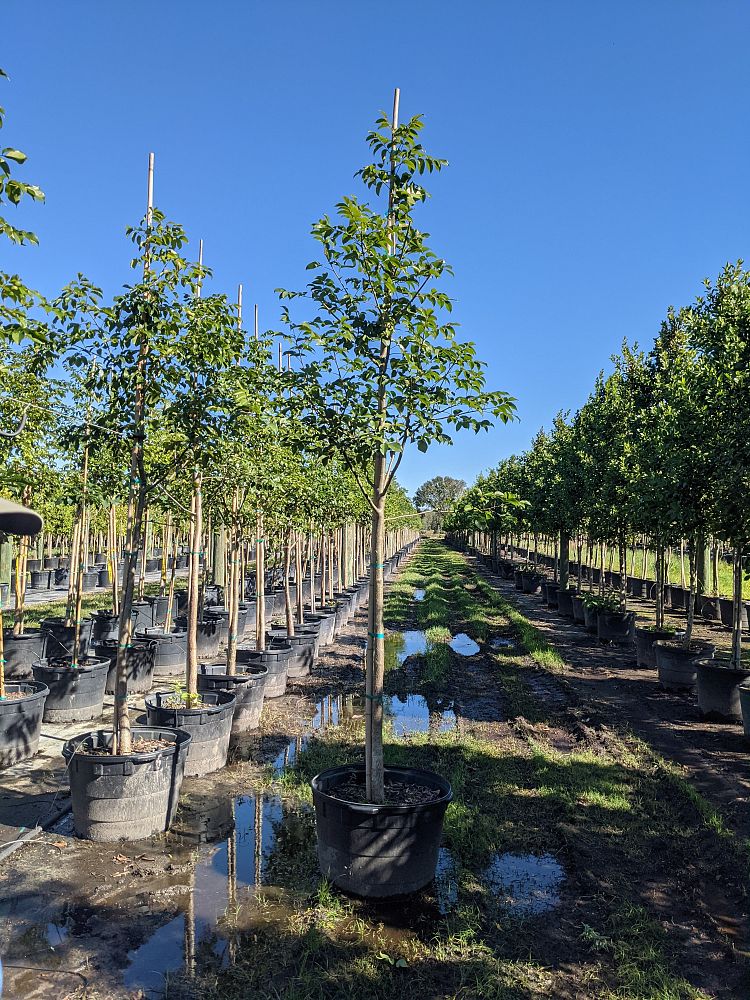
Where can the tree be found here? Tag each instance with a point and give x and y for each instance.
(380, 366)
(16, 298)
(435, 498)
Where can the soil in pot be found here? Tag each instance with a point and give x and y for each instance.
(379, 851)
(76, 694)
(719, 689)
(645, 638)
(126, 797)
(21, 721)
(21, 652)
(209, 724)
(247, 686)
(676, 663)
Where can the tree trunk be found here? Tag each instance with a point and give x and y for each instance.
(233, 583)
(737, 609)
(564, 564)
(288, 607)
(375, 665)
(194, 595)
(260, 585)
(692, 563)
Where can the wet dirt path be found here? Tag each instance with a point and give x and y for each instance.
(608, 680)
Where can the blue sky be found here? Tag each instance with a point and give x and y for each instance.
(598, 157)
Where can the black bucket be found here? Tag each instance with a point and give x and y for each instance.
(170, 656)
(133, 797)
(21, 652)
(303, 642)
(74, 695)
(209, 725)
(247, 686)
(275, 660)
(378, 851)
(140, 664)
(59, 637)
(21, 721)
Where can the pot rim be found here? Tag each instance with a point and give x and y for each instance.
(723, 666)
(41, 691)
(374, 809)
(224, 699)
(181, 738)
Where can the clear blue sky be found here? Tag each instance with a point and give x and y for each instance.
(598, 151)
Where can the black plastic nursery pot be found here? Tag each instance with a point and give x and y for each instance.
(125, 796)
(21, 652)
(302, 659)
(719, 689)
(531, 583)
(726, 611)
(615, 626)
(644, 639)
(170, 655)
(565, 602)
(274, 659)
(591, 618)
(208, 636)
(326, 623)
(21, 721)
(159, 609)
(40, 579)
(518, 579)
(744, 690)
(635, 586)
(710, 609)
(210, 726)
(76, 694)
(679, 598)
(676, 663)
(247, 686)
(59, 637)
(378, 851)
(579, 616)
(552, 591)
(139, 664)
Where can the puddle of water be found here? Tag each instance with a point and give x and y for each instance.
(415, 714)
(247, 878)
(446, 882)
(419, 594)
(464, 645)
(526, 884)
(501, 642)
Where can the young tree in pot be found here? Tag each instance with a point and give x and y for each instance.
(720, 330)
(380, 367)
(136, 372)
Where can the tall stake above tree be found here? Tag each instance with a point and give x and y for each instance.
(380, 366)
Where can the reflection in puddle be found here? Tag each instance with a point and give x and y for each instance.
(415, 714)
(419, 594)
(527, 884)
(230, 888)
(464, 645)
(501, 642)
(446, 882)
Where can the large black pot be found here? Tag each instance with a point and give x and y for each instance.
(615, 626)
(326, 622)
(21, 721)
(105, 625)
(209, 725)
(726, 611)
(645, 638)
(591, 618)
(676, 664)
(208, 635)
(531, 583)
(579, 616)
(21, 652)
(303, 641)
(143, 613)
(635, 586)
(710, 608)
(139, 664)
(552, 592)
(378, 851)
(170, 655)
(59, 637)
(40, 579)
(719, 690)
(247, 686)
(275, 660)
(75, 695)
(125, 797)
(565, 603)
